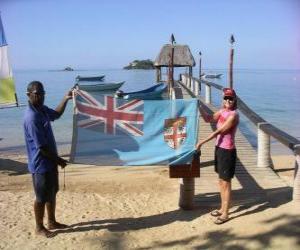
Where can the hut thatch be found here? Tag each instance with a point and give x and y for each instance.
(182, 56)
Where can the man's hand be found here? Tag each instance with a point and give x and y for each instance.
(62, 162)
(69, 95)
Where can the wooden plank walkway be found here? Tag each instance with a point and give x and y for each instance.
(251, 183)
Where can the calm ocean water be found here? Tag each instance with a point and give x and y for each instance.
(273, 94)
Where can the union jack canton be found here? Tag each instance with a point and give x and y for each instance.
(109, 115)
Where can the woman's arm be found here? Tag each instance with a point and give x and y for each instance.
(207, 117)
(228, 124)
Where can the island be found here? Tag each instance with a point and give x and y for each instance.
(68, 69)
(140, 64)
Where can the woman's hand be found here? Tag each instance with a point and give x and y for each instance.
(199, 144)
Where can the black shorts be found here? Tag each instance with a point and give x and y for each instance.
(225, 160)
(45, 186)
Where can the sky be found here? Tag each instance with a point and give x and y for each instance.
(101, 34)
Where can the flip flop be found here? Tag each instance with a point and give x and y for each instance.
(220, 221)
(215, 213)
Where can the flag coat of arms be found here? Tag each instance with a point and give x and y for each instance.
(175, 132)
(117, 132)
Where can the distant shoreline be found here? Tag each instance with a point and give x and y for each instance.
(195, 68)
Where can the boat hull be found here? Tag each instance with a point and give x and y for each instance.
(101, 86)
(90, 79)
(151, 93)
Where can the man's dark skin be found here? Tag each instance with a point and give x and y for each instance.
(36, 96)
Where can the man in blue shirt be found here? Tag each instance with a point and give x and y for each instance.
(43, 159)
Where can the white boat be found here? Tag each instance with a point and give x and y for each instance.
(211, 75)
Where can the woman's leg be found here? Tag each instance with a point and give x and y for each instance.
(226, 198)
(221, 196)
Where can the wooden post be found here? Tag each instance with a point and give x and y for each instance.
(187, 192)
(200, 71)
(196, 90)
(231, 62)
(192, 84)
(187, 174)
(207, 94)
(190, 76)
(296, 185)
(158, 74)
(263, 147)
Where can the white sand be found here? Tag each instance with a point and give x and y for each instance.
(135, 208)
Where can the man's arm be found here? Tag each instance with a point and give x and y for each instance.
(61, 107)
(46, 152)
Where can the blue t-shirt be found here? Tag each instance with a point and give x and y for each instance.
(38, 133)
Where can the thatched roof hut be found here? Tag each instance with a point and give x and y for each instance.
(182, 58)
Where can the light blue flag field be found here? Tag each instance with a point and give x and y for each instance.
(109, 131)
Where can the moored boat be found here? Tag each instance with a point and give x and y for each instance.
(152, 93)
(211, 75)
(100, 86)
(90, 78)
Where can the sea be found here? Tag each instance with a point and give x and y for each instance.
(273, 94)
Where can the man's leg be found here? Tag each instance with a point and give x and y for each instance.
(39, 210)
(52, 223)
(51, 204)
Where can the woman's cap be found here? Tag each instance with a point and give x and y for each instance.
(229, 92)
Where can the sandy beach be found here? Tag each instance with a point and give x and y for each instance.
(137, 208)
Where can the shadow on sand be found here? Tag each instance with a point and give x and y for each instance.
(12, 167)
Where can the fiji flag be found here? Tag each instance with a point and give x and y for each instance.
(115, 132)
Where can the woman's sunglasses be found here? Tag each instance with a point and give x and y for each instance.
(229, 98)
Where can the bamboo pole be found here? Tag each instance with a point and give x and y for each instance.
(190, 76)
(200, 71)
(231, 62)
(171, 67)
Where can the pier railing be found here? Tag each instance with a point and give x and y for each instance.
(265, 130)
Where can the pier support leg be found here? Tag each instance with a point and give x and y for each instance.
(183, 79)
(263, 147)
(196, 90)
(207, 94)
(296, 186)
(187, 192)
(192, 85)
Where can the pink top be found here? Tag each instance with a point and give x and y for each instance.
(226, 140)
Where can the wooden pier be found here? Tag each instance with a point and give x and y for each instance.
(255, 181)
